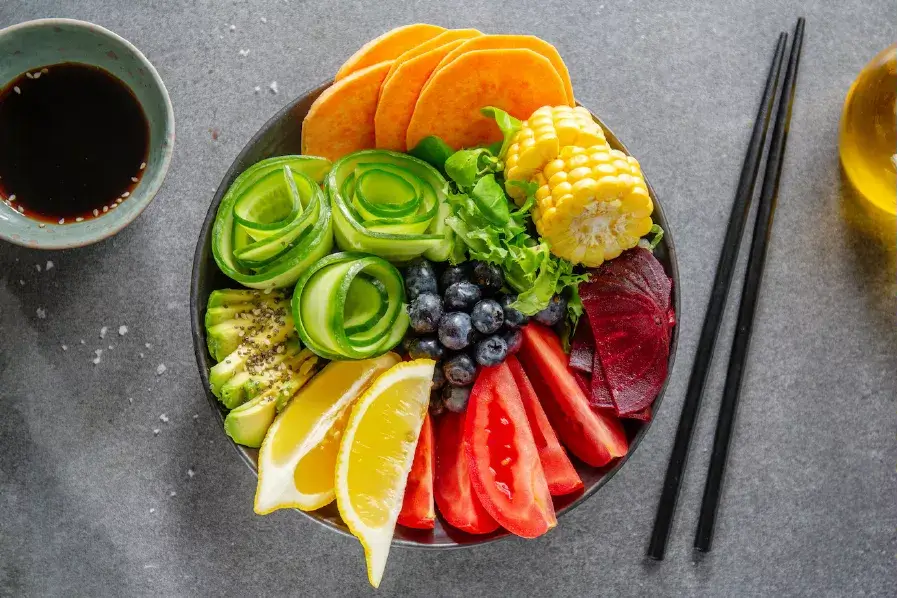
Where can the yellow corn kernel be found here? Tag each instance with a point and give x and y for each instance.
(592, 202)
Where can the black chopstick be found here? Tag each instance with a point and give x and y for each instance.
(715, 308)
(750, 292)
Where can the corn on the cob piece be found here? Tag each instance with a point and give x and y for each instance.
(592, 202)
(541, 138)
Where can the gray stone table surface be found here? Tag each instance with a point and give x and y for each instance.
(94, 501)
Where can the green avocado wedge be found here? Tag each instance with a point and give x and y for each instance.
(248, 423)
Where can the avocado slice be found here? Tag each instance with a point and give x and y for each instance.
(225, 297)
(258, 352)
(248, 423)
(233, 392)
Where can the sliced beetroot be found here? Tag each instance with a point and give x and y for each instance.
(584, 381)
(643, 415)
(627, 302)
(599, 394)
(582, 348)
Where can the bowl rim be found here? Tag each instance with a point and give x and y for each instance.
(167, 151)
(202, 359)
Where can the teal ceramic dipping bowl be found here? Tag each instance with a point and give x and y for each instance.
(35, 44)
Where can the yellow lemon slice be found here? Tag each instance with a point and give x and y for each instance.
(297, 459)
(376, 454)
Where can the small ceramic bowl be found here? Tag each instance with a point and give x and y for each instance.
(44, 42)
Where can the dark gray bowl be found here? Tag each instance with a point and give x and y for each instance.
(280, 136)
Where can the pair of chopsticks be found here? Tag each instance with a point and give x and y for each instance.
(747, 308)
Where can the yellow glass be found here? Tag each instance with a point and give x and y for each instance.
(868, 140)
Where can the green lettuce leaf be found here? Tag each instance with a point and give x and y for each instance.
(506, 123)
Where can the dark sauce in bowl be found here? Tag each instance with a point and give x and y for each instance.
(73, 142)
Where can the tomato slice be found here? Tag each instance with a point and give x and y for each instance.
(559, 472)
(453, 491)
(504, 462)
(595, 436)
(417, 506)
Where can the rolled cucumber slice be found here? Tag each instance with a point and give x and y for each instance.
(391, 205)
(273, 222)
(350, 306)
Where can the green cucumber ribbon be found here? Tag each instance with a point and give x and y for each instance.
(273, 222)
(350, 306)
(391, 205)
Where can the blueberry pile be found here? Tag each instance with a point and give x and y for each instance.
(463, 320)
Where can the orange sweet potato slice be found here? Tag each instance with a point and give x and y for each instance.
(341, 120)
(529, 42)
(517, 80)
(443, 38)
(388, 46)
(398, 96)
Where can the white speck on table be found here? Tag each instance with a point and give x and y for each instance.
(164, 418)
(103, 331)
(122, 330)
(41, 313)
(49, 265)
(99, 354)
(160, 369)
(273, 87)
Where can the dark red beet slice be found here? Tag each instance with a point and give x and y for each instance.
(627, 302)
(582, 349)
(584, 381)
(600, 395)
(643, 415)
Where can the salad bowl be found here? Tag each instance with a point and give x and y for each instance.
(282, 135)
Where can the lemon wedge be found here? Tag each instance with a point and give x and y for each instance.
(375, 456)
(297, 459)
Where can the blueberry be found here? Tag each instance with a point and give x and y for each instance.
(454, 330)
(491, 351)
(554, 313)
(462, 296)
(460, 370)
(420, 278)
(437, 405)
(454, 274)
(488, 277)
(513, 318)
(487, 316)
(425, 347)
(455, 398)
(438, 377)
(425, 312)
(513, 338)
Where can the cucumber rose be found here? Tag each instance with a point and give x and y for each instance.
(350, 306)
(391, 205)
(273, 222)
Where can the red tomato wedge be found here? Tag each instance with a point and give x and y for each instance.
(417, 506)
(559, 472)
(504, 461)
(452, 489)
(595, 436)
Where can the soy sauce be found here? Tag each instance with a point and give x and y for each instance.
(73, 142)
